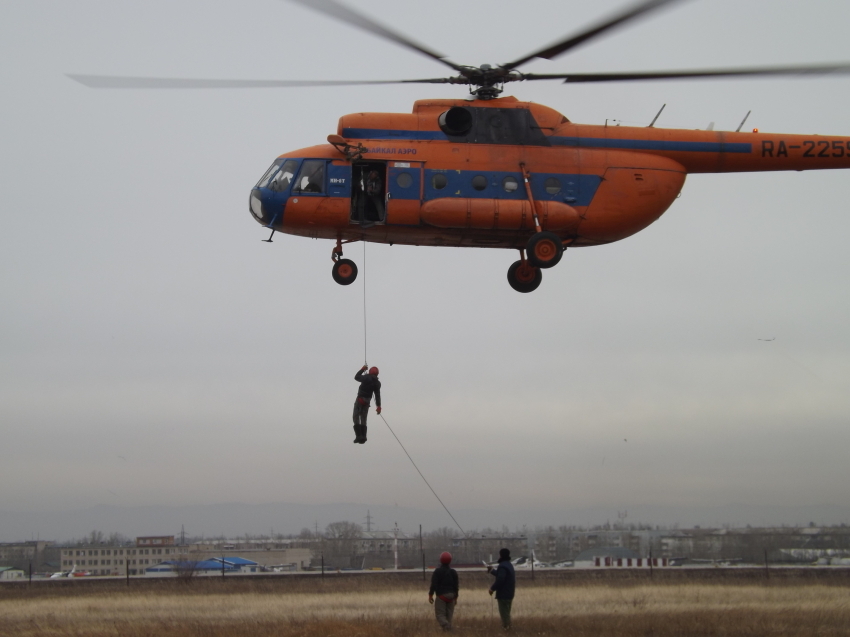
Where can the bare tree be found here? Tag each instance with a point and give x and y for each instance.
(186, 570)
(341, 538)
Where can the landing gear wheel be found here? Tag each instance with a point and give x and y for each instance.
(545, 249)
(523, 277)
(345, 271)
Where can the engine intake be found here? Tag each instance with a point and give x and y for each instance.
(457, 121)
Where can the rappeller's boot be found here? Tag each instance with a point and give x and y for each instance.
(357, 435)
(362, 439)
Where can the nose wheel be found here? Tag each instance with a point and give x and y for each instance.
(345, 270)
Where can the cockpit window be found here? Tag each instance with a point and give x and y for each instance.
(312, 177)
(284, 176)
(265, 179)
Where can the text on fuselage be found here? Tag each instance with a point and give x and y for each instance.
(809, 148)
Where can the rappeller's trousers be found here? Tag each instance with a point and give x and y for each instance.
(361, 411)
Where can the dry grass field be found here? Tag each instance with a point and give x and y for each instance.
(572, 603)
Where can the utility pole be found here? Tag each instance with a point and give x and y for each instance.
(395, 546)
(422, 551)
(368, 521)
(766, 569)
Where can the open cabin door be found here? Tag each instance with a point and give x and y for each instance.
(368, 193)
(404, 192)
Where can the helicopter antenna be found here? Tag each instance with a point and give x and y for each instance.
(744, 121)
(657, 115)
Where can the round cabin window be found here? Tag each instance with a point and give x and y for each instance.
(510, 184)
(404, 180)
(552, 185)
(479, 182)
(439, 181)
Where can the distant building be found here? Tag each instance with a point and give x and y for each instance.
(10, 573)
(115, 559)
(155, 541)
(21, 554)
(267, 554)
(485, 548)
(377, 542)
(215, 566)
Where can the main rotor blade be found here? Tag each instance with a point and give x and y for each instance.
(821, 69)
(557, 49)
(116, 81)
(342, 13)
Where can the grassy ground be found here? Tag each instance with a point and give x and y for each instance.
(621, 605)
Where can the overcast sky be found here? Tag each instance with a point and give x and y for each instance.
(154, 351)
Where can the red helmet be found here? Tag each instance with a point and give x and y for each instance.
(373, 371)
(445, 557)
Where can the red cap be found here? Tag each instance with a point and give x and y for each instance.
(445, 558)
(373, 371)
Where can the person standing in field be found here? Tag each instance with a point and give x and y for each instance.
(504, 586)
(444, 584)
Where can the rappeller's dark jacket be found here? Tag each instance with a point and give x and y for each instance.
(444, 581)
(368, 385)
(505, 583)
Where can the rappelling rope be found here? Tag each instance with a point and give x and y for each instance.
(421, 475)
(365, 359)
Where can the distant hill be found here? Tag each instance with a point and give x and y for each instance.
(234, 519)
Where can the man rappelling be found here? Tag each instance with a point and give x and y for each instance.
(369, 384)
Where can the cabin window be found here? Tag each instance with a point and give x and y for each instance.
(404, 180)
(552, 185)
(439, 181)
(479, 182)
(312, 177)
(264, 181)
(283, 178)
(510, 184)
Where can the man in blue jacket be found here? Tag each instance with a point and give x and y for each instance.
(504, 586)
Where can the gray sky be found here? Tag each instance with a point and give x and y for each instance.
(154, 351)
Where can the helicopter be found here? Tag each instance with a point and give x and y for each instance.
(491, 171)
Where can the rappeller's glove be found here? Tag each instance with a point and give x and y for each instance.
(430, 599)
(364, 368)
(378, 409)
(491, 592)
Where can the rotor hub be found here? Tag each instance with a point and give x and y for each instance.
(488, 81)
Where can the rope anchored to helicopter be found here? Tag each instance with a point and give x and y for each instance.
(370, 386)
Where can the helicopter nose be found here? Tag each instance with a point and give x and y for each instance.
(256, 207)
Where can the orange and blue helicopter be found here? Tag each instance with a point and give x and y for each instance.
(495, 172)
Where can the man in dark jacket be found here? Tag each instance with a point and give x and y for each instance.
(369, 384)
(504, 586)
(444, 584)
